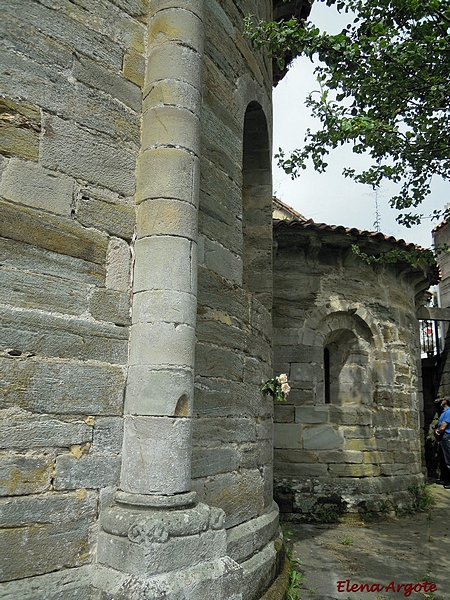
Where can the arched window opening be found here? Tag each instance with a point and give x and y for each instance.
(257, 206)
(346, 365)
(326, 374)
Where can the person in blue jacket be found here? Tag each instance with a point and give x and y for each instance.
(443, 433)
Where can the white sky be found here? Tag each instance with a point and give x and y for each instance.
(330, 197)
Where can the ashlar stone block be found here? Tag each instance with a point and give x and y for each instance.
(312, 414)
(162, 344)
(61, 387)
(240, 495)
(163, 263)
(171, 126)
(92, 471)
(30, 184)
(20, 126)
(167, 217)
(322, 437)
(164, 391)
(25, 474)
(52, 232)
(156, 455)
(91, 157)
(287, 435)
(25, 430)
(40, 534)
(162, 169)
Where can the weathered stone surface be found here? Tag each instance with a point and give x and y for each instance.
(354, 470)
(287, 435)
(134, 67)
(91, 471)
(166, 217)
(31, 290)
(211, 461)
(164, 305)
(219, 143)
(302, 470)
(281, 455)
(63, 27)
(149, 558)
(72, 150)
(30, 184)
(216, 293)
(25, 430)
(253, 455)
(223, 398)
(42, 85)
(109, 213)
(311, 414)
(53, 233)
(93, 74)
(61, 387)
(343, 456)
(211, 431)
(162, 169)
(26, 331)
(107, 434)
(118, 265)
(322, 437)
(246, 539)
(144, 385)
(172, 344)
(258, 572)
(110, 305)
(69, 584)
(211, 361)
(221, 261)
(171, 126)
(25, 474)
(172, 273)
(163, 447)
(25, 257)
(238, 494)
(20, 125)
(284, 413)
(54, 529)
(217, 223)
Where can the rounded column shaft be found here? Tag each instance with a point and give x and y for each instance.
(159, 394)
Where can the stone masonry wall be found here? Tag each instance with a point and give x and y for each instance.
(70, 80)
(232, 430)
(356, 445)
(72, 133)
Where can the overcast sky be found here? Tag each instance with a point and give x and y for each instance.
(329, 197)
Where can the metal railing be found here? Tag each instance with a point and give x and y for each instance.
(431, 339)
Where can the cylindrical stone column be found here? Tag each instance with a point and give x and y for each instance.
(159, 393)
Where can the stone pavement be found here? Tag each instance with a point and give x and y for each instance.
(337, 560)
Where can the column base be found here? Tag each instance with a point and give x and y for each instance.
(220, 579)
(159, 551)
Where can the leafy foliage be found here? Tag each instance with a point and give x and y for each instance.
(277, 387)
(385, 82)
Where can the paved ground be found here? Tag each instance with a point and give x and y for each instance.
(411, 551)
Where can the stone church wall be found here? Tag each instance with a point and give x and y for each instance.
(107, 150)
(346, 333)
(232, 429)
(70, 133)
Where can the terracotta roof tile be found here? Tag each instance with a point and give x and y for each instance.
(312, 225)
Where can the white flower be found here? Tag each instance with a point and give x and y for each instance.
(285, 388)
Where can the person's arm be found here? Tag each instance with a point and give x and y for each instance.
(442, 427)
(444, 424)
